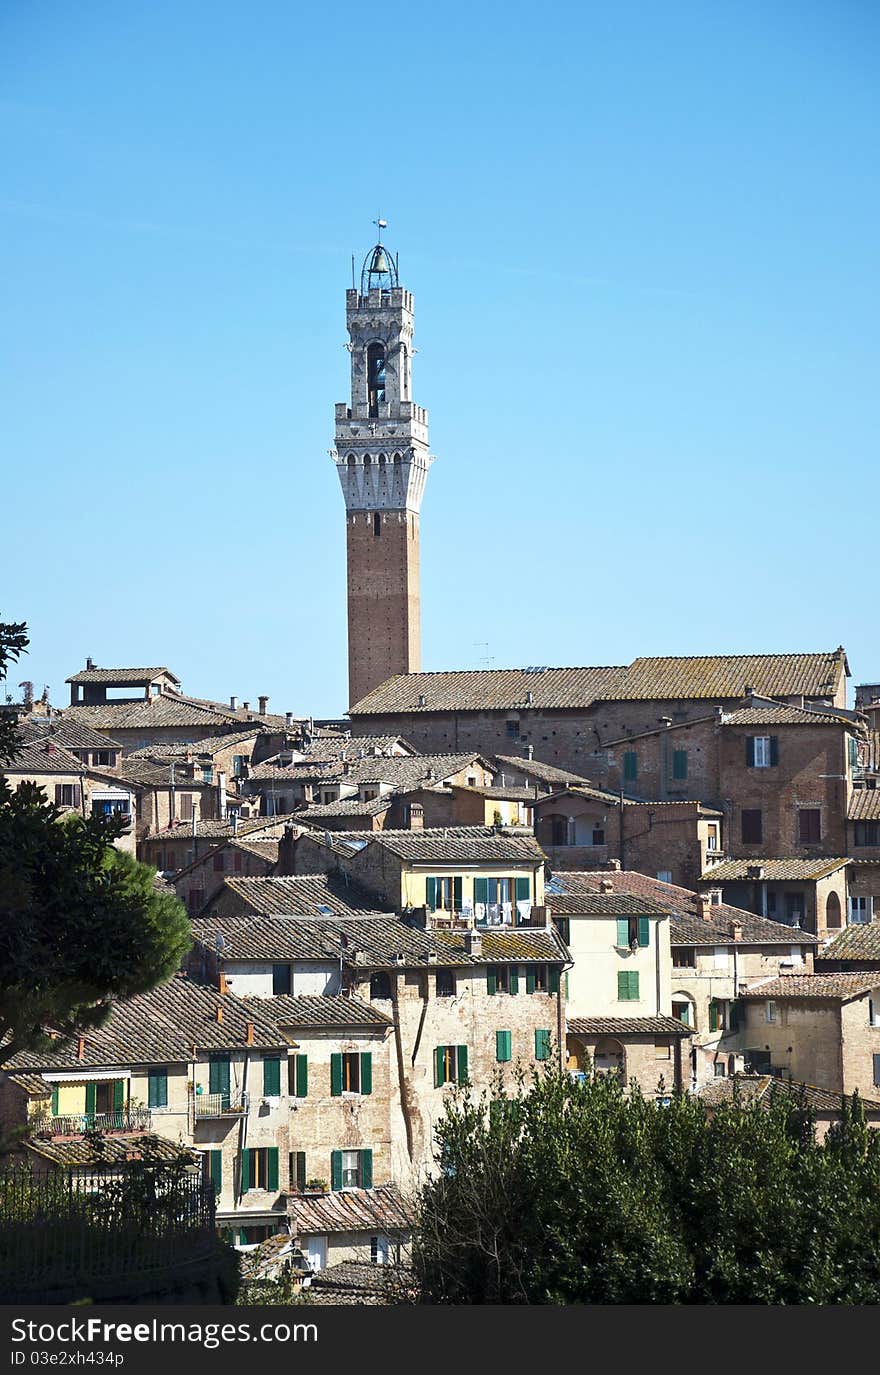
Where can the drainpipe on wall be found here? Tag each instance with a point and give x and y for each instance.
(620, 827)
(401, 1068)
(242, 1126)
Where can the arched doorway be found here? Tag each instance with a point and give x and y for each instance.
(832, 911)
(609, 1057)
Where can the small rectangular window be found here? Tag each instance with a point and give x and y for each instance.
(809, 825)
(770, 1010)
(679, 764)
(503, 1050)
(662, 1050)
(630, 766)
(450, 1065)
(281, 979)
(542, 1044)
(752, 826)
(445, 980)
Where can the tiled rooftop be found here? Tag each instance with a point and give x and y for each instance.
(628, 1026)
(864, 804)
(122, 677)
(775, 870)
(855, 942)
(309, 1011)
(827, 987)
(350, 1210)
(487, 690)
(461, 845)
(767, 1089)
(723, 677)
(303, 895)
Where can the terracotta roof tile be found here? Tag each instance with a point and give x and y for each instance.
(828, 987)
(767, 1088)
(859, 941)
(628, 1026)
(314, 1011)
(461, 845)
(113, 1150)
(350, 1210)
(121, 677)
(487, 690)
(303, 895)
(864, 804)
(774, 870)
(727, 676)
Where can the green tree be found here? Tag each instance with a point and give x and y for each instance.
(13, 643)
(568, 1193)
(81, 923)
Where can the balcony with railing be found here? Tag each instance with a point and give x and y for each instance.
(75, 1124)
(220, 1104)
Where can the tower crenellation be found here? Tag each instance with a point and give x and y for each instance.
(382, 459)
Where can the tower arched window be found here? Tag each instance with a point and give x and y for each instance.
(375, 377)
(377, 523)
(404, 373)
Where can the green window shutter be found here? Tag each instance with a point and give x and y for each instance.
(157, 1089)
(491, 980)
(55, 1097)
(245, 1171)
(218, 1076)
(542, 1045)
(366, 1071)
(679, 763)
(634, 984)
(481, 890)
(553, 978)
(456, 892)
(91, 1097)
(625, 985)
(513, 979)
(431, 892)
(502, 1046)
(272, 1168)
(644, 932)
(271, 1076)
(439, 1066)
(118, 1095)
(216, 1167)
(622, 931)
(713, 1016)
(462, 1064)
(523, 888)
(733, 1017)
(774, 750)
(302, 1076)
(366, 1169)
(300, 1169)
(336, 1170)
(750, 751)
(530, 979)
(335, 1076)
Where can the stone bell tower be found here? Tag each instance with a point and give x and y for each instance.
(382, 459)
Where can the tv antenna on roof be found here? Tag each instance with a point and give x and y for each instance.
(485, 659)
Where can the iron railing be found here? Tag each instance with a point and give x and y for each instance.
(221, 1104)
(95, 1228)
(74, 1124)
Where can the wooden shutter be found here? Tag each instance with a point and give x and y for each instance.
(272, 1168)
(630, 765)
(481, 890)
(542, 1044)
(774, 750)
(215, 1164)
(157, 1089)
(679, 763)
(186, 806)
(366, 1071)
(245, 1171)
(622, 984)
(366, 1169)
(523, 889)
(335, 1076)
(503, 1050)
(59, 794)
(300, 1169)
(271, 1076)
(644, 932)
(877, 1071)
(633, 984)
(431, 892)
(530, 978)
(553, 979)
(302, 1076)
(336, 1170)
(456, 893)
(513, 979)
(439, 1066)
(91, 1097)
(55, 1098)
(462, 1064)
(750, 751)
(118, 1095)
(492, 980)
(713, 1016)
(218, 1076)
(622, 931)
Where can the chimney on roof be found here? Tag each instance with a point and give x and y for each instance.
(473, 942)
(613, 864)
(81, 1048)
(246, 706)
(249, 1033)
(755, 871)
(423, 701)
(233, 702)
(705, 906)
(530, 750)
(223, 987)
(736, 930)
(605, 885)
(288, 720)
(529, 699)
(90, 663)
(264, 704)
(219, 1013)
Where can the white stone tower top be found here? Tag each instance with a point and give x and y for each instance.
(381, 452)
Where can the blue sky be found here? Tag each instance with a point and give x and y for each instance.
(643, 245)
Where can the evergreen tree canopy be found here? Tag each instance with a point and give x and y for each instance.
(578, 1192)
